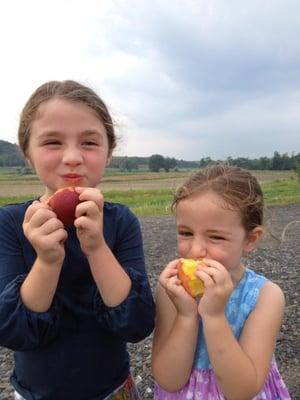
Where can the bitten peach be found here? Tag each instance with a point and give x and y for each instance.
(192, 284)
(63, 202)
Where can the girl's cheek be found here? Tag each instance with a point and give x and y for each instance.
(182, 248)
(51, 158)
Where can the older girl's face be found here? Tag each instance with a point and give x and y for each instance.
(68, 145)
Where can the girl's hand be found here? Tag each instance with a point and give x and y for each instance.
(45, 232)
(183, 302)
(218, 288)
(89, 219)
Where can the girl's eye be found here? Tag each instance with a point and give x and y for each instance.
(217, 237)
(184, 233)
(52, 143)
(90, 143)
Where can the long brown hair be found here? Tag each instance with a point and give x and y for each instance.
(237, 187)
(68, 90)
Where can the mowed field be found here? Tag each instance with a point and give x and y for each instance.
(146, 180)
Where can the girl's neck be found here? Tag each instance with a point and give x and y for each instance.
(237, 275)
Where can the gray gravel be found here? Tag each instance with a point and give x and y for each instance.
(279, 260)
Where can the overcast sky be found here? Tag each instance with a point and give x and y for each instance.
(185, 79)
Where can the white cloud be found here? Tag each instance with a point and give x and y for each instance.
(186, 81)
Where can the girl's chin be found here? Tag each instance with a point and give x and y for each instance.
(74, 182)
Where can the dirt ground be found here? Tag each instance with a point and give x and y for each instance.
(279, 260)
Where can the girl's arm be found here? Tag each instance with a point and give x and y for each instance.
(242, 367)
(46, 234)
(175, 334)
(112, 243)
(21, 329)
(113, 282)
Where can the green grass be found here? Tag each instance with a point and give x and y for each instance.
(145, 202)
(13, 199)
(281, 192)
(14, 174)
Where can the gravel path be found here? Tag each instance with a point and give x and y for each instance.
(278, 260)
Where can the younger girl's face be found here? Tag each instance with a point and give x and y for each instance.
(68, 145)
(206, 229)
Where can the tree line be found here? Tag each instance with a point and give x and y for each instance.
(11, 156)
(157, 162)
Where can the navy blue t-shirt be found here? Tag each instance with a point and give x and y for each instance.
(77, 349)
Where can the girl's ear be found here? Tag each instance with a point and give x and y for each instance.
(109, 157)
(253, 238)
(28, 161)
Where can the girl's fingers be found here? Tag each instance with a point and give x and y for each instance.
(171, 269)
(32, 209)
(87, 208)
(51, 225)
(214, 269)
(207, 276)
(169, 272)
(90, 194)
(38, 215)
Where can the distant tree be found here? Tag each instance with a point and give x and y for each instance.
(297, 170)
(204, 162)
(128, 164)
(187, 164)
(10, 155)
(169, 163)
(264, 163)
(156, 162)
(276, 161)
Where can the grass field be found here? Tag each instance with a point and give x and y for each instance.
(151, 193)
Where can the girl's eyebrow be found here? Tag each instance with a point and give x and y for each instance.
(88, 132)
(181, 226)
(92, 132)
(47, 135)
(220, 232)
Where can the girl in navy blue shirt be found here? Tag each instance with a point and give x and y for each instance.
(71, 297)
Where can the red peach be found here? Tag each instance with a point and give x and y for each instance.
(63, 202)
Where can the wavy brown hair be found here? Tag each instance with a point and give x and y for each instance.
(238, 189)
(67, 90)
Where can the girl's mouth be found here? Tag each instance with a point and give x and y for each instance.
(73, 178)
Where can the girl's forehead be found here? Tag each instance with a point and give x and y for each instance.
(206, 198)
(61, 111)
(56, 104)
(206, 206)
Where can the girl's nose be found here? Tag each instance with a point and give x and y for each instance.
(198, 249)
(72, 156)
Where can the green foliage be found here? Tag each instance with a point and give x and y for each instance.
(13, 199)
(144, 202)
(281, 192)
(156, 162)
(10, 154)
(279, 162)
(22, 173)
(169, 163)
(297, 170)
